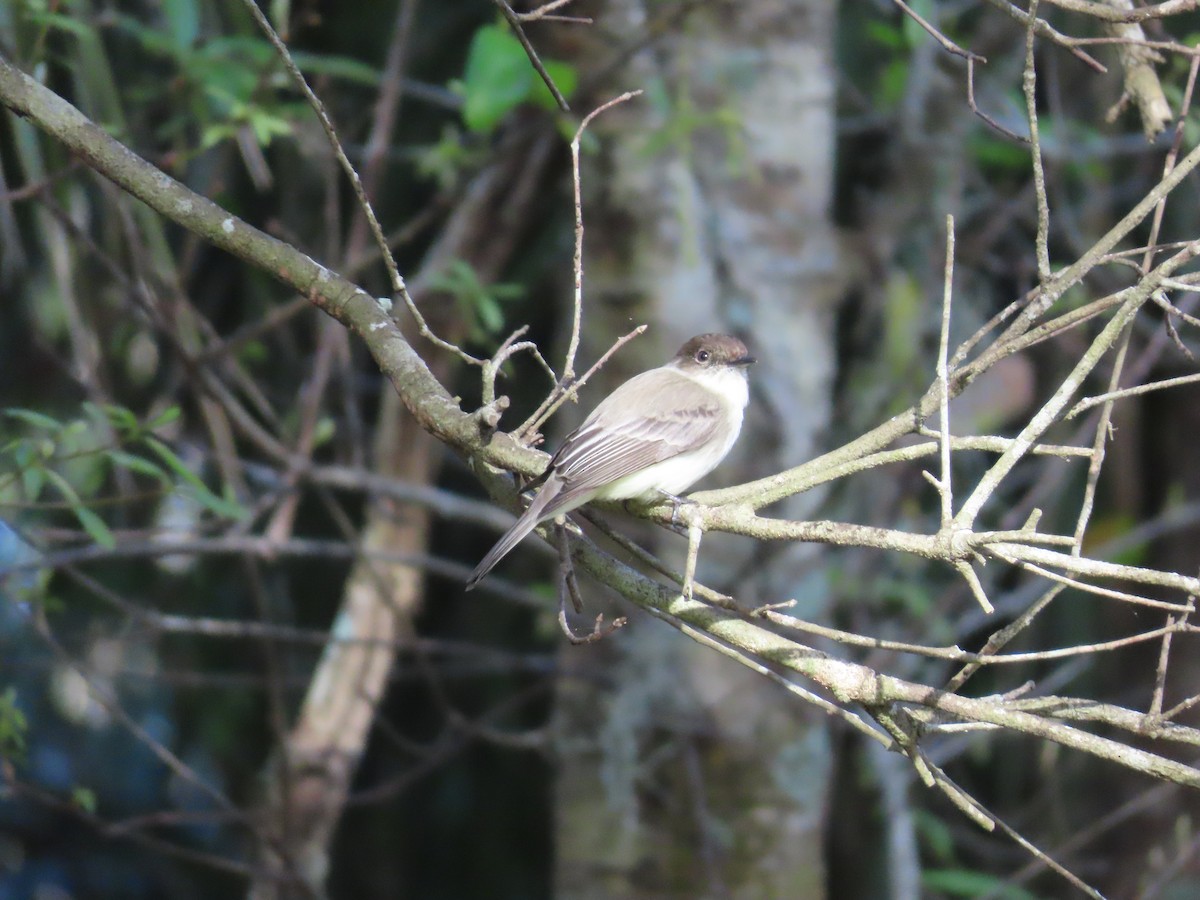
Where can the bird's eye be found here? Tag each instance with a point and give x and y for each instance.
(702, 356)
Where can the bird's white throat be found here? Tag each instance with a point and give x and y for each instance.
(730, 382)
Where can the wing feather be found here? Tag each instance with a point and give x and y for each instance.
(616, 440)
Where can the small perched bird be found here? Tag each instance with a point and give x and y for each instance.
(655, 435)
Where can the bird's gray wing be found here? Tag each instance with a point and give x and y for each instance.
(617, 440)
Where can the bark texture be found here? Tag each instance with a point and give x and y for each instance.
(684, 774)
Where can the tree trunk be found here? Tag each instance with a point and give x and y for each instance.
(682, 773)
(322, 751)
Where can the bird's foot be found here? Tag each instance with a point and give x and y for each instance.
(679, 520)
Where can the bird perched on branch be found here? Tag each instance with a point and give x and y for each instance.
(656, 435)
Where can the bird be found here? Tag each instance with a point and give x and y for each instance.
(655, 435)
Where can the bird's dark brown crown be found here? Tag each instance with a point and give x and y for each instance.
(708, 350)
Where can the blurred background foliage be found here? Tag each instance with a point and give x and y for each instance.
(108, 436)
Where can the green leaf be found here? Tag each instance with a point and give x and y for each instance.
(914, 33)
(137, 464)
(267, 126)
(498, 78)
(214, 134)
(507, 290)
(480, 302)
(240, 51)
(122, 418)
(95, 527)
(13, 725)
(565, 78)
(935, 835)
(36, 419)
(207, 498)
(90, 522)
(33, 479)
(968, 883)
(1000, 155)
(281, 13)
(253, 352)
(183, 22)
(893, 82)
(71, 24)
(84, 798)
(343, 67)
(490, 315)
(152, 39)
(324, 432)
(884, 34)
(64, 487)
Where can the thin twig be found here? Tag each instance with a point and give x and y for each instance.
(1160, 675)
(984, 657)
(558, 396)
(573, 346)
(569, 586)
(1054, 407)
(1007, 132)
(1030, 20)
(1135, 14)
(1110, 396)
(945, 488)
(599, 629)
(744, 658)
(952, 790)
(1103, 433)
(399, 288)
(383, 119)
(971, 58)
(1181, 707)
(515, 21)
(509, 348)
(967, 571)
(1029, 85)
(544, 12)
(1037, 559)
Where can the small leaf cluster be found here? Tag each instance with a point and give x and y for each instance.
(74, 459)
(479, 304)
(499, 78)
(13, 727)
(224, 86)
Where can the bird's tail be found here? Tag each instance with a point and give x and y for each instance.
(525, 524)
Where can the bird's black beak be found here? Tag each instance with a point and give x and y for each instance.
(746, 360)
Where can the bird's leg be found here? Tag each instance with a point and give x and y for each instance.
(677, 505)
